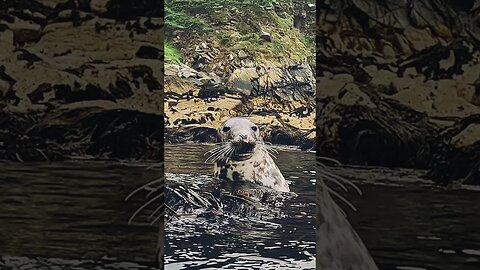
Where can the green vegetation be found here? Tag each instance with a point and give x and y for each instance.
(178, 19)
(216, 3)
(308, 40)
(233, 25)
(183, 14)
(172, 54)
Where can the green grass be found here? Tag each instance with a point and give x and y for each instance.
(308, 40)
(177, 19)
(211, 3)
(203, 19)
(172, 54)
(183, 14)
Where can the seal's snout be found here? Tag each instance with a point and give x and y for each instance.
(244, 139)
(244, 146)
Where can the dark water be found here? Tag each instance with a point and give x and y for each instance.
(285, 242)
(72, 215)
(408, 223)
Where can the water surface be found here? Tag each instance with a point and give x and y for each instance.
(235, 242)
(73, 215)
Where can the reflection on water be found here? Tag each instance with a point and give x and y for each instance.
(72, 215)
(73, 210)
(224, 241)
(405, 221)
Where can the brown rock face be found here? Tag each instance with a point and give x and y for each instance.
(279, 99)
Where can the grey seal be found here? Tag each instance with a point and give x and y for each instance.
(242, 155)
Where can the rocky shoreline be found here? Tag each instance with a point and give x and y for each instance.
(84, 79)
(397, 85)
(279, 99)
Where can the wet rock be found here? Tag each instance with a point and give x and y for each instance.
(171, 70)
(454, 154)
(149, 52)
(24, 32)
(216, 79)
(51, 4)
(467, 137)
(242, 55)
(100, 6)
(187, 72)
(198, 105)
(6, 43)
(421, 65)
(293, 82)
(64, 60)
(4, 87)
(265, 36)
(351, 95)
(242, 80)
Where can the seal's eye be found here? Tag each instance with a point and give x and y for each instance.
(254, 128)
(226, 129)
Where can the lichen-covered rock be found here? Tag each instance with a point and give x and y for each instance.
(285, 110)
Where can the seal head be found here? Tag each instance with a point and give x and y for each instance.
(243, 156)
(243, 135)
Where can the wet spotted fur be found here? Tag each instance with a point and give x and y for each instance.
(256, 166)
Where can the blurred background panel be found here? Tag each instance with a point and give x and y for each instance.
(81, 119)
(398, 101)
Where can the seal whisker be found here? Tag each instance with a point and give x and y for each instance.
(228, 155)
(157, 210)
(343, 180)
(185, 197)
(144, 206)
(162, 214)
(338, 183)
(217, 156)
(216, 149)
(152, 191)
(154, 165)
(270, 148)
(343, 199)
(267, 151)
(227, 150)
(160, 180)
(157, 218)
(329, 159)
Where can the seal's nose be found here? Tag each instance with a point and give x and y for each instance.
(245, 138)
